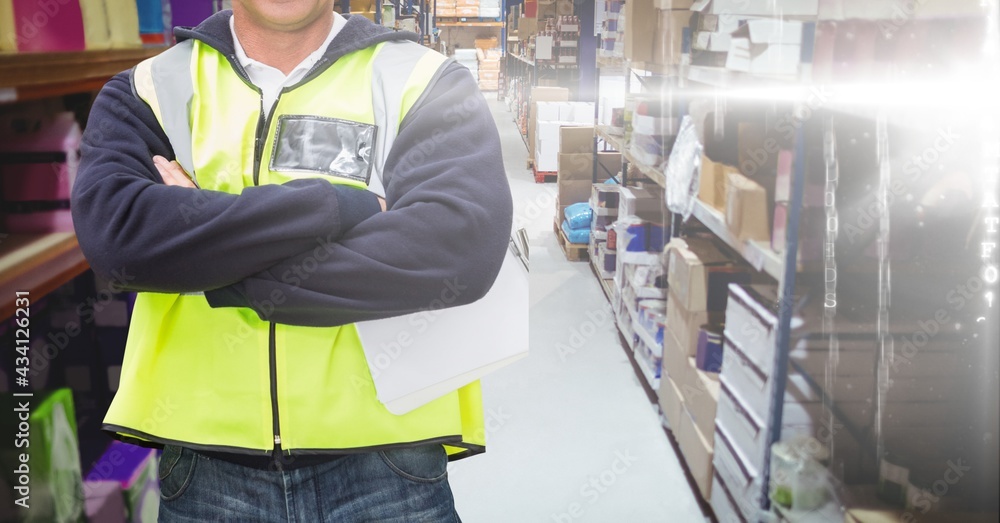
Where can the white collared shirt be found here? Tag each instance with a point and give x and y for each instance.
(270, 80)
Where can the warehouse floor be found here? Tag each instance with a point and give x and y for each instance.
(572, 436)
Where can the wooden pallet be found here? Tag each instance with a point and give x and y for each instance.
(543, 176)
(573, 251)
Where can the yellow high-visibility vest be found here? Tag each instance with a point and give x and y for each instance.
(223, 379)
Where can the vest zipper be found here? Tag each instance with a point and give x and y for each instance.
(263, 124)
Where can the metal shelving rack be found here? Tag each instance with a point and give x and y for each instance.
(40, 263)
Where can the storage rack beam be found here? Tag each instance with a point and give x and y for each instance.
(37, 263)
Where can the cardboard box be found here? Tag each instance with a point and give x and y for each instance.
(747, 213)
(765, 8)
(526, 27)
(713, 182)
(697, 451)
(685, 324)
(467, 11)
(487, 43)
(702, 400)
(576, 139)
(673, 4)
(489, 76)
(605, 196)
(671, 402)
(641, 20)
(699, 274)
(580, 166)
(675, 359)
(570, 192)
(446, 12)
(541, 94)
(640, 202)
(668, 43)
(763, 59)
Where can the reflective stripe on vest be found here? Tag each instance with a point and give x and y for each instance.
(200, 376)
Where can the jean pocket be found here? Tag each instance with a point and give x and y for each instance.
(176, 469)
(423, 464)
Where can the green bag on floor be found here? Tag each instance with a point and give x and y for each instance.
(54, 489)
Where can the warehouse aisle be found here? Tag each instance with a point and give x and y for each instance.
(571, 434)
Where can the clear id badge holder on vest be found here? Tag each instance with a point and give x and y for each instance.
(329, 146)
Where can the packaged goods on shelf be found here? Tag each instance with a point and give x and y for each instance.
(123, 24)
(673, 4)
(641, 20)
(38, 169)
(767, 47)
(698, 451)
(606, 260)
(604, 199)
(574, 178)
(62, 30)
(633, 234)
(709, 352)
(699, 274)
(684, 325)
(713, 182)
(763, 8)
(747, 213)
(56, 480)
(134, 468)
(672, 32)
(541, 94)
(640, 202)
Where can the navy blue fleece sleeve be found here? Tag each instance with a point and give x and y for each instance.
(442, 241)
(177, 239)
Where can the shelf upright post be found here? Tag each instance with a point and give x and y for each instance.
(786, 308)
(503, 27)
(345, 7)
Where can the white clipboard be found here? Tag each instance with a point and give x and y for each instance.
(417, 358)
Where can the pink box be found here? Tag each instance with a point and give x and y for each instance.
(41, 165)
(45, 26)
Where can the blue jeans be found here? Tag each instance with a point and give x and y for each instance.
(404, 485)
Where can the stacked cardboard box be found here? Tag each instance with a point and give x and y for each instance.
(550, 117)
(673, 34)
(540, 95)
(604, 200)
(574, 177)
(640, 24)
(698, 274)
(489, 68)
(470, 59)
(489, 9)
(446, 8)
(467, 8)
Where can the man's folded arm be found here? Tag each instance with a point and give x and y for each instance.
(176, 239)
(440, 244)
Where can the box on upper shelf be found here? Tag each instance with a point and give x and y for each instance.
(641, 20)
(673, 4)
(671, 32)
(747, 213)
(699, 274)
(713, 182)
(764, 8)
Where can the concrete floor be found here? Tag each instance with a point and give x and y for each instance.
(572, 436)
